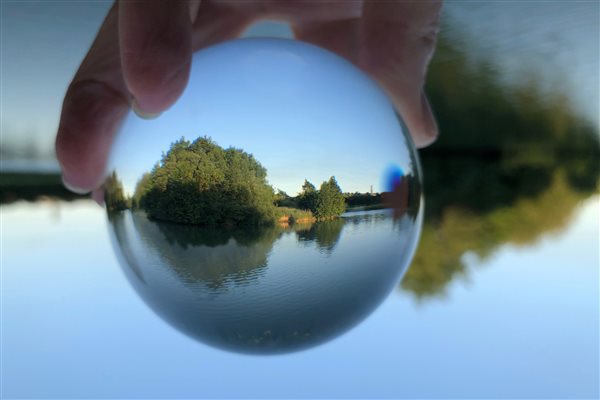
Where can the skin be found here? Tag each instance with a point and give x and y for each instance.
(141, 58)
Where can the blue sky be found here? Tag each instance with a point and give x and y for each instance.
(42, 46)
(301, 111)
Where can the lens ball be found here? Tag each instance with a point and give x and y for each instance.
(274, 206)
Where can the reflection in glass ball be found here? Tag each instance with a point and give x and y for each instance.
(274, 206)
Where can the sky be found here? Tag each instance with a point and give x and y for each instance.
(42, 44)
(303, 113)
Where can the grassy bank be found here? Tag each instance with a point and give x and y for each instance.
(288, 215)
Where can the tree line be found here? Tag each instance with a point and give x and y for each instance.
(201, 183)
(512, 163)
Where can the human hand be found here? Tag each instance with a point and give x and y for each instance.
(141, 58)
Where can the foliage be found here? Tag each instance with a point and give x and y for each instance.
(28, 186)
(203, 184)
(325, 234)
(439, 258)
(142, 186)
(282, 199)
(330, 202)
(511, 164)
(363, 199)
(292, 215)
(307, 199)
(221, 257)
(326, 203)
(114, 195)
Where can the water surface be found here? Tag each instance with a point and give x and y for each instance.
(71, 322)
(270, 289)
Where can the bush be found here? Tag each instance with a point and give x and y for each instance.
(201, 183)
(330, 202)
(287, 214)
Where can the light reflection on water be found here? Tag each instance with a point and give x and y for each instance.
(265, 290)
(531, 311)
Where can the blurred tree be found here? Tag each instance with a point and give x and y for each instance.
(511, 164)
(325, 234)
(114, 195)
(142, 186)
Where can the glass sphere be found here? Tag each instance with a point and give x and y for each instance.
(274, 206)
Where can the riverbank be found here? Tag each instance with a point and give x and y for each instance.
(288, 215)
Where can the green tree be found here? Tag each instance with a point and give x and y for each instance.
(114, 195)
(513, 163)
(203, 184)
(141, 188)
(330, 202)
(282, 199)
(308, 196)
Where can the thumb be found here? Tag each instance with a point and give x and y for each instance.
(155, 39)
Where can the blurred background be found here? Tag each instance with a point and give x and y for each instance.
(501, 299)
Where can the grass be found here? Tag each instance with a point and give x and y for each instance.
(293, 215)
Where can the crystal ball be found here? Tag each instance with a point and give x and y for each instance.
(274, 206)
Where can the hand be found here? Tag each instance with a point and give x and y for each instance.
(142, 55)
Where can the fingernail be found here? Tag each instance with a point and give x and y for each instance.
(430, 126)
(74, 188)
(142, 114)
(98, 196)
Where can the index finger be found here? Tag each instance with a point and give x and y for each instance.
(155, 39)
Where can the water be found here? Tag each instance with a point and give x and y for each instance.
(267, 290)
(72, 322)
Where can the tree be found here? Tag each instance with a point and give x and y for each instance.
(307, 199)
(114, 194)
(141, 188)
(330, 202)
(282, 199)
(201, 183)
(526, 176)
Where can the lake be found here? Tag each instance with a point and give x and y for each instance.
(72, 322)
(266, 290)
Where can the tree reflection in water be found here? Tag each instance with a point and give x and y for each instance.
(511, 164)
(265, 290)
(324, 234)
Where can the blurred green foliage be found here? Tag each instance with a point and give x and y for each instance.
(32, 186)
(325, 234)
(114, 195)
(511, 164)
